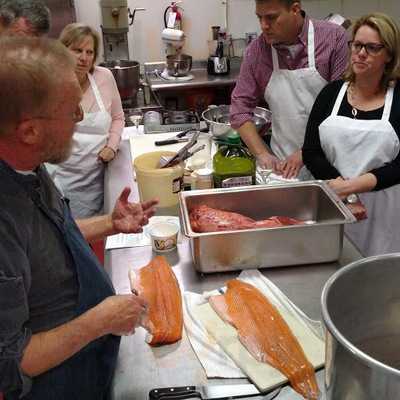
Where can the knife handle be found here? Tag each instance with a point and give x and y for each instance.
(174, 393)
(165, 142)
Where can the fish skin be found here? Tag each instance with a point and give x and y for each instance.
(157, 283)
(266, 335)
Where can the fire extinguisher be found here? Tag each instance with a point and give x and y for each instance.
(173, 16)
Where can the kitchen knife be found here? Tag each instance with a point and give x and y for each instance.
(170, 141)
(212, 392)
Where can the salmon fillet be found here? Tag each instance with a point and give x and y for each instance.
(207, 219)
(266, 335)
(157, 283)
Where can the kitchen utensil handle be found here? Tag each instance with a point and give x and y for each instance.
(174, 393)
(165, 142)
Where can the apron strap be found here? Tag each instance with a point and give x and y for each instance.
(96, 93)
(339, 99)
(388, 103)
(386, 110)
(311, 45)
(275, 61)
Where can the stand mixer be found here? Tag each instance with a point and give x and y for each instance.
(178, 64)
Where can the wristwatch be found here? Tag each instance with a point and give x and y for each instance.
(352, 199)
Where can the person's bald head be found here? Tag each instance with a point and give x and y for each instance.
(24, 17)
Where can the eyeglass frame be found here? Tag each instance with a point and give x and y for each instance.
(377, 47)
(76, 116)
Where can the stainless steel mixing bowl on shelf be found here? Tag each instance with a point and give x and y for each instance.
(178, 64)
(218, 117)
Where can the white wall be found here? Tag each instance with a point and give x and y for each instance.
(199, 15)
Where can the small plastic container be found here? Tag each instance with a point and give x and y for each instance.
(164, 236)
(152, 120)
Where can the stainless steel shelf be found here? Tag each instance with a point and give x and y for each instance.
(199, 71)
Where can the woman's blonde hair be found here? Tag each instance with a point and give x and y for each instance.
(389, 33)
(75, 33)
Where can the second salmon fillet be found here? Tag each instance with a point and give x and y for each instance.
(266, 335)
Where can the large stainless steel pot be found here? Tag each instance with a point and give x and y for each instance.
(217, 118)
(127, 76)
(179, 64)
(361, 310)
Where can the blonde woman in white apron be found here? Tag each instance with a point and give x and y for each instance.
(96, 138)
(360, 138)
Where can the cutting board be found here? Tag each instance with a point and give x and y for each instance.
(262, 375)
(145, 143)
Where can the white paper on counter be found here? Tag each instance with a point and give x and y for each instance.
(123, 240)
(212, 357)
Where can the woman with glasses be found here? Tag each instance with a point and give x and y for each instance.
(99, 124)
(352, 136)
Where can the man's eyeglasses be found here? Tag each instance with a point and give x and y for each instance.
(76, 116)
(371, 48)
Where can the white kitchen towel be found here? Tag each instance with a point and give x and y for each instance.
(212, 357)
(216, 363)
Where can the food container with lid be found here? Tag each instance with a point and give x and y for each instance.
(319, 240)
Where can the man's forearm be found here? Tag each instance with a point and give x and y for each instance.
(250, 136)
(48, 349)
(96, 228)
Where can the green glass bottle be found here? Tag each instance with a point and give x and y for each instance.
(233, 164)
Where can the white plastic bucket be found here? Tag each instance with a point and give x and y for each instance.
(161, 183)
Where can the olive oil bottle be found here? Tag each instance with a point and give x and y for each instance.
(233, 164)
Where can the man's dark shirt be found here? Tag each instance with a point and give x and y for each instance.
(38, 283)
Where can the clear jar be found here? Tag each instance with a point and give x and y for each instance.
(202, 179)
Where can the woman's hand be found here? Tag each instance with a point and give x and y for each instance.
(106, 154)
(341, 187)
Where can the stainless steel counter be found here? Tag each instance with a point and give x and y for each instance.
(200, 77)
(142, 368)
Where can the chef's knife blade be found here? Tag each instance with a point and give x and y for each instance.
(212, 392)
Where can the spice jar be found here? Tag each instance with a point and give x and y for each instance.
(202, 179)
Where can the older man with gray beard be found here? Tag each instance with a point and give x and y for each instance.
(60, 319)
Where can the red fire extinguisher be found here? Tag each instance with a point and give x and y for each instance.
(173, 16)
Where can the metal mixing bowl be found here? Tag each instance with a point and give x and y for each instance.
(218, 117)
(179, 65)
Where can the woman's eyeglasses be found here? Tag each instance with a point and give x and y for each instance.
(370, 48)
